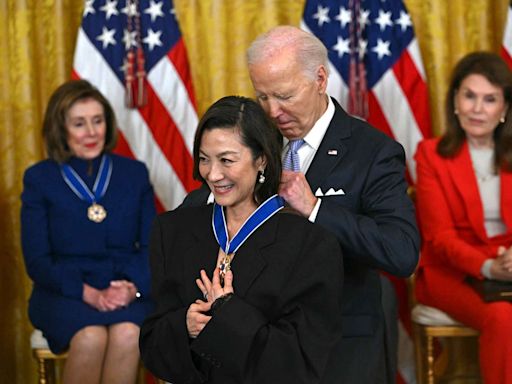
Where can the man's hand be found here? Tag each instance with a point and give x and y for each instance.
(296, 191)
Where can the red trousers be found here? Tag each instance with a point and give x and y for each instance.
(441, 289)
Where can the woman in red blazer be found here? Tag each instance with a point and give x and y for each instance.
(464, 200)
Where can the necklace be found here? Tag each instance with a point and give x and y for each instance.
(225, 265)
(483, 177)
(96, 212)
(264, 212)
(482, 160)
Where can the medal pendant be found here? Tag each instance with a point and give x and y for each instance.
(96, 213)
(224, 267)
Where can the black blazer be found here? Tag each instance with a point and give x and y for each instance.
(374, 221)
(282, 322)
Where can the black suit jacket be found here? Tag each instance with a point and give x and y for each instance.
(282, 322)
(374, 222)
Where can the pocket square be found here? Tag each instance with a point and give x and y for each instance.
(330, 192)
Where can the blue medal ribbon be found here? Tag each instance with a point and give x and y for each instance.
(78, 186)
(264, 212)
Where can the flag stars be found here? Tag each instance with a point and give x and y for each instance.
(342, 46)
(107, 37)
(124, 67)
(155, 10)
(362, 48)
(130, 8)
(89, 8)
(382, 49)
(110, 8)
(153, 38)
(129, 39)
(344, 17)
(404, 21)
(322, 15)
(364, 18)
(384, 20)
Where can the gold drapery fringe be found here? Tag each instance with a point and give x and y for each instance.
(37, 39)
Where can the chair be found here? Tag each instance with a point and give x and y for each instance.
(46, 360)
(429, 323)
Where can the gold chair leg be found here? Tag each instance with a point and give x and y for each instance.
(430, 360)
(42, 371)
(418, 353)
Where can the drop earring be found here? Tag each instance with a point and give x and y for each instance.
(261, 178)
(456, 111)
(502, 120)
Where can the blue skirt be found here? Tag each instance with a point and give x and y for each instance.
(59, 317)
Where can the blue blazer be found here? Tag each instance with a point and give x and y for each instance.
(63, 249)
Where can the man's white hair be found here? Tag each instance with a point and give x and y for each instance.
(307, 49)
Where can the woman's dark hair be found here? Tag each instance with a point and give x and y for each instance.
(496, 71)
(54, 123)
(257, 131)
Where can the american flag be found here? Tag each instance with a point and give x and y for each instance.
(506, 48)
(160, 130)
(379, 40)
(377, 74)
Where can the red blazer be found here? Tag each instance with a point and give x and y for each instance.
(450, 213)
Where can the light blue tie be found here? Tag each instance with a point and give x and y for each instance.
(291, 160)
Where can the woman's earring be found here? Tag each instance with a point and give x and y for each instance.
(456, 111)
(502, 120)
(261, 178)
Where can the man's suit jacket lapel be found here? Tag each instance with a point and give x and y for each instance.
(248, 263)
(335, 139)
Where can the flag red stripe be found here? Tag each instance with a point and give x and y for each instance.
(399, 379)
(506, 55)
(415, 90)
(379, 121)
(123, 148)
(178, 56)
(74, 75)
(169, 139)
(402, 295)
(376, 117)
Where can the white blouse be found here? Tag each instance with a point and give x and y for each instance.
(489, 187)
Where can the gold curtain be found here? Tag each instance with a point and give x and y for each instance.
(37, 39)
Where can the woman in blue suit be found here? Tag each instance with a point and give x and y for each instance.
(86, 215)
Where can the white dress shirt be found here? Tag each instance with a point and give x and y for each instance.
(312, 142)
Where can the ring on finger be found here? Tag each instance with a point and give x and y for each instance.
(205, 295)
